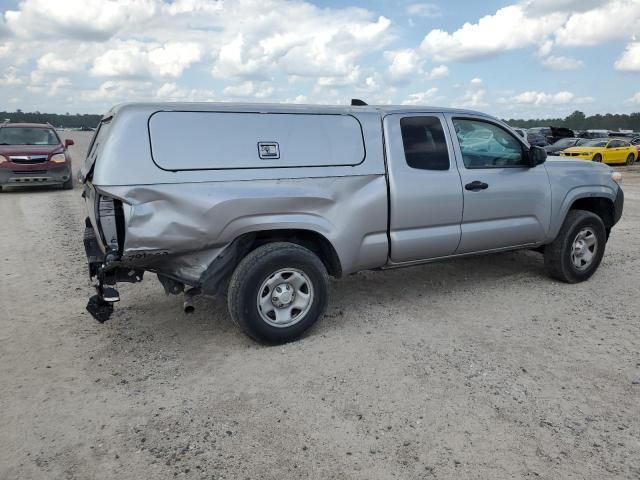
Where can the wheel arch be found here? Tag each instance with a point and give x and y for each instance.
(601, 206)
(310, 239)
(596, 199)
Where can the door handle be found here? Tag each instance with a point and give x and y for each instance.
(476, 185)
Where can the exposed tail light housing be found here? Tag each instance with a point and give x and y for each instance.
(111, 223)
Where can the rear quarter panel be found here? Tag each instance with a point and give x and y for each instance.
(177, 222)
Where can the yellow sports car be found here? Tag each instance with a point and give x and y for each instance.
(604, 150)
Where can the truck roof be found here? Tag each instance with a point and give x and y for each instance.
(285, 108)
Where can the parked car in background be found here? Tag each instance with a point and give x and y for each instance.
(536, 139)
(636, 143)
(627, 134)
(544, 131)
(33, 154)
(558, 133)
(556, 147)
(605, 150)
(594, 134)
(262, 203)
(521, 131)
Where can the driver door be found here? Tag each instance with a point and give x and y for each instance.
(506, 203)
(616, 153)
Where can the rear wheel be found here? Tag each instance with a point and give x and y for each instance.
(630, 159)
(597, 158)
(577, 251)
(277, 292)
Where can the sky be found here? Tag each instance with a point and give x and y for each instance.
(526, 59)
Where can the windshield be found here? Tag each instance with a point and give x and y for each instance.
(28, 136)
(595, 143)
(564, 142)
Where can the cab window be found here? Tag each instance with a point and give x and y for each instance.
(615, 144)
(425, 146)
(486, 145)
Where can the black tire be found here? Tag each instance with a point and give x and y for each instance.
(68, 185)
(597, 158)
(630, 159)
(257, 268)
(558, 254)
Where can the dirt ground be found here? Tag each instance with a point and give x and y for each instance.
(478, 368)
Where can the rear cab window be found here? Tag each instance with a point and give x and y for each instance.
(424, 142)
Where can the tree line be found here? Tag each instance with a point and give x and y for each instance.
(66, 120)
(576, 121)
(579, 121)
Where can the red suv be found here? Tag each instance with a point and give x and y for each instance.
(33, 154)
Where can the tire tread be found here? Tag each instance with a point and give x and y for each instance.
(247, 266)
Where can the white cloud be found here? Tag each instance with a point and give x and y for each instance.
(553, 62)
(421, 98)
(57, 85)
(301, 40)
(634, 99)
(541, 98)
(171, 92)
(535, 7)
(508, 29)
(403, 64)
(440, 71)
(351, 79)
(248, 89)
(424, 10)
(133, 59)
(5, 49)
(52, 62)
(116, 91)
(474, 95)
(4, 30)
(629, 61)
(10, 77)
(617, 19)
(81, 19)
(536, 23)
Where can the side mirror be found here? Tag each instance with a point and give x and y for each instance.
(537, 156)
(68, 142)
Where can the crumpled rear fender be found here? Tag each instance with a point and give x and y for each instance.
(180, 229)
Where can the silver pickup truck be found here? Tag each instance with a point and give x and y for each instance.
(264, 202)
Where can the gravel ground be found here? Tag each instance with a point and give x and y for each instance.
(476, 368)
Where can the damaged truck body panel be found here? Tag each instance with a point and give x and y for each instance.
(264, 202)
(179, 231)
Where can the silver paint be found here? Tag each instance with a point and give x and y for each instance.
(377, 213)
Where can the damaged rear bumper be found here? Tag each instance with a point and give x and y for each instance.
(106, 270)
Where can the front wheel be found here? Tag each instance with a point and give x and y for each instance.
(277, 292)
(577, 251)
(597, 158)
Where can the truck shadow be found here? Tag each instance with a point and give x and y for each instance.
(34, 189)
(150, 332)
(363, 293)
